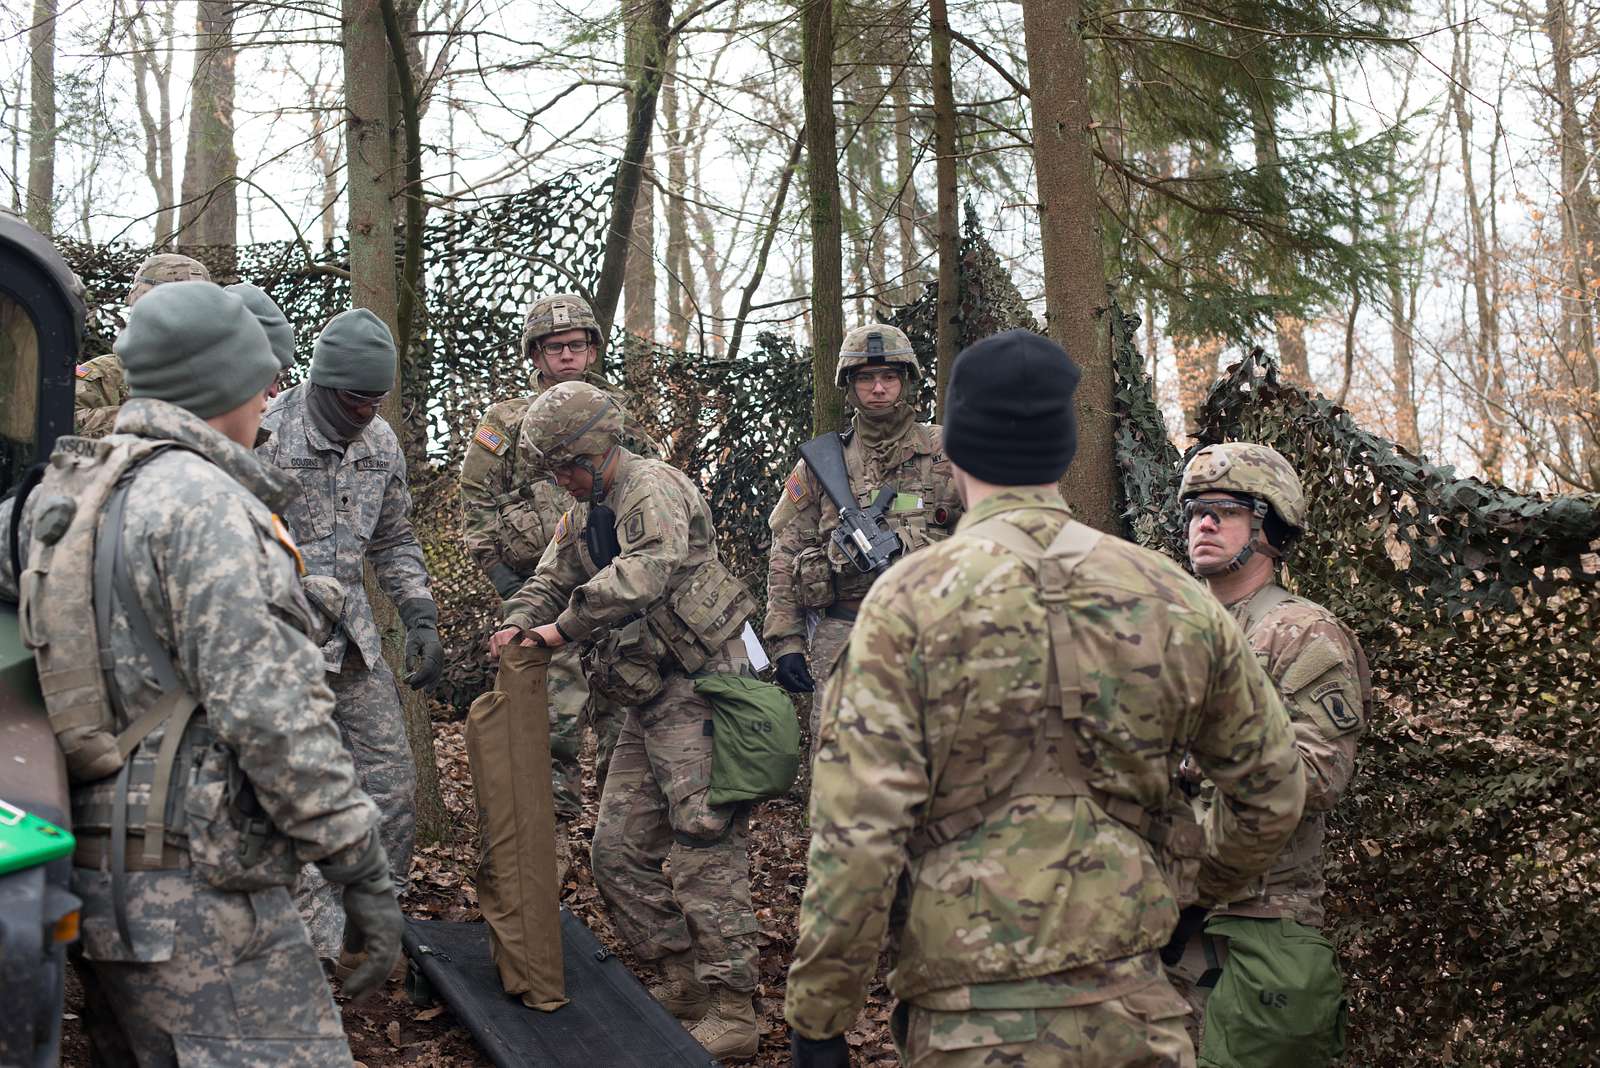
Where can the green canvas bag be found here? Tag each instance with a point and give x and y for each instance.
(1279, 1002)
(755, 739)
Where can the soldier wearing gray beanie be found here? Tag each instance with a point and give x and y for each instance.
(280, 332)
(195, 345)
(352, 367)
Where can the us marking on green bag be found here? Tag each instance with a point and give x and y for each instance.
(1280, 1001)
(755, 741)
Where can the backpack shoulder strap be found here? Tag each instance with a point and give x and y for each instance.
(1262, 604)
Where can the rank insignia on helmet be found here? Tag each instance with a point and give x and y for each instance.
(83, 370)
(560, 317)
(795, 488)
(491, 439)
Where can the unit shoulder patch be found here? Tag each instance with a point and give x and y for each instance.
(496, 441)
(281, 532)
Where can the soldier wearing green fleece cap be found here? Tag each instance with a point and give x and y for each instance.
(280, 332)
(356, 508)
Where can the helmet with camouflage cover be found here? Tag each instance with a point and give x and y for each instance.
(556, 313)
(1258, 472)
(875, 345)
(567, 422)
(164, 267)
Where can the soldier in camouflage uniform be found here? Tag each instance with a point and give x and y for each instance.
(999, 741)
(204, 974)
(101, 388)
(352, 506)
(813, 591)
(1244, 506)
(508, 517)
(631, 575)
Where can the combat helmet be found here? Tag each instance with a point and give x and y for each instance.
(165, 267)
(1257, 471)
(558, 312)
(874, 345)
(568, 422)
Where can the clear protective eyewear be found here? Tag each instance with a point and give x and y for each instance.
(1215, 510)
(552, 349)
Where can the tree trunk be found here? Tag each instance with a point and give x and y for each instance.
(209, 214)
(680, 287)
(1580, 229)
(151, 52)
(639, 277)
(1403, 374)
(373, 180)
(1074, 270)
(625, 191)
(773, 218)
(948, 314)
(1196, 358)
(822, 188)
(905, 179)
(42, 117)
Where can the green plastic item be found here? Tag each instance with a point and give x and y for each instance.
(1279, 1002)
(27, 841)
(755, 746)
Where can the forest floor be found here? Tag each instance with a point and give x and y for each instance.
(386, 1029)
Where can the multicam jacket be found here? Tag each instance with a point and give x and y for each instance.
(1321, 673)
(508, 514)
(351, 505)
(98, 393)
(925, 510)
(941, 699)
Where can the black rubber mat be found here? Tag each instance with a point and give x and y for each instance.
(610, 1021)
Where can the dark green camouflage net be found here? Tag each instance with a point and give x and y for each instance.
(1463, 868)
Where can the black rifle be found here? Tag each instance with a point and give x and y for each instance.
(861, 535)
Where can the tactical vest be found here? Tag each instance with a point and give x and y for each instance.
(74, 581)
(1054, 767)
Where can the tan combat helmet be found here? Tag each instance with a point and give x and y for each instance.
(875, 345)
(558, 312)
(568, 422)
(165, 267)
(1259, 472)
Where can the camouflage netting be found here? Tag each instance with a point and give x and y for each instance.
(1464, 866)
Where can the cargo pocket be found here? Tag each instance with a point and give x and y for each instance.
(218, 847)
(279, 991)
(946, 1032)
(813, 578)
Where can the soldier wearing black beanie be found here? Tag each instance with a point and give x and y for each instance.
(1010, 420)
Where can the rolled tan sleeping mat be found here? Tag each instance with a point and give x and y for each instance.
(508, 749)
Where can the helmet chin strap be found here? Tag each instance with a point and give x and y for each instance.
(1258, 543)
(597, 483)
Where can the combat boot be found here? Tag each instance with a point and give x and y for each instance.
(728, 1031)
(678, 991)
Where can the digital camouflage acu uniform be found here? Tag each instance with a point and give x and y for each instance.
(101, 387)
(633, 619)
(215, 977)
(351, 505)
(1319, 669)
(813, 591)
(507, 519)
(994, 776)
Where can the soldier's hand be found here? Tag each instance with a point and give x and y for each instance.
(504, 637)
(793, 674)
(424, 658)
(1191, 921)
(549, 636)
(373, 921)
(818, 1052)
(506, 581)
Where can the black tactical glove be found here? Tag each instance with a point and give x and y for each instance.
(1191, 921)
(424, 653)
(372, 918)
(506, 581)
(793, 675)
(818, 1052)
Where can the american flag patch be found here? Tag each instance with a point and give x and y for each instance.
(795, 488)
(490, 438)
(563, 525)
(83, 370)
